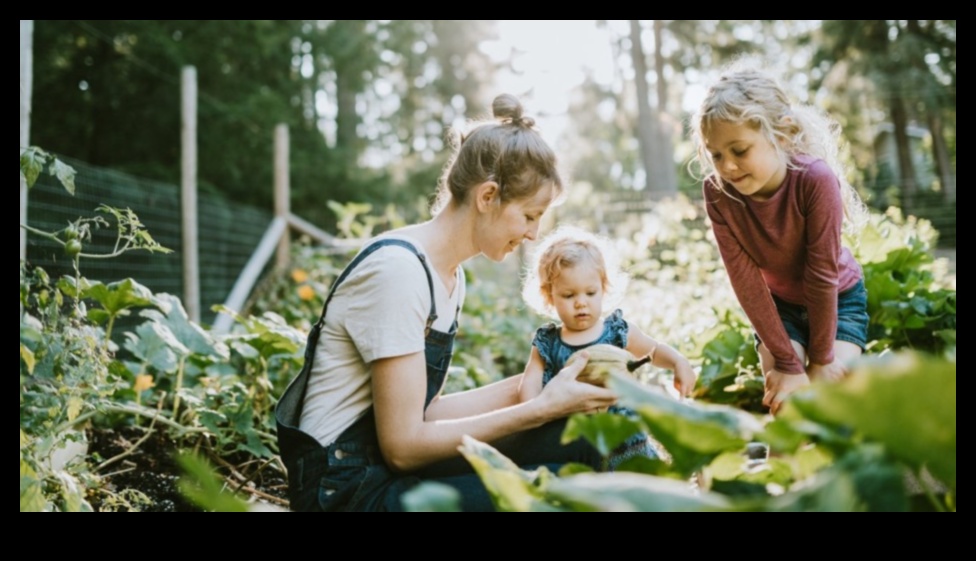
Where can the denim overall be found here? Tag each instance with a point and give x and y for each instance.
(350, 474)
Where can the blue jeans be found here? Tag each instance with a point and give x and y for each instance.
(350, 475)
(852, 318)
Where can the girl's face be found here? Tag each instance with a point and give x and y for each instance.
(577, 295)
(513, 223)
(744, 158)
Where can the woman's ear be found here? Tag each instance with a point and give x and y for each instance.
(486, 195)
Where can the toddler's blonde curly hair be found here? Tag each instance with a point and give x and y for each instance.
(567, 247)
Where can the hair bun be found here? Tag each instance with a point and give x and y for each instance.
(507, 108)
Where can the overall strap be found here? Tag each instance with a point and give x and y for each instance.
(366, 253)
(289, 407)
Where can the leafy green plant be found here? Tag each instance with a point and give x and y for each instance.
(838, 447)
(907, 306)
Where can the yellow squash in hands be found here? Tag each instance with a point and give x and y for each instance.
(605, 359)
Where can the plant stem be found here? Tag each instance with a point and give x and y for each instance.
(108, 329)
(131, 409)
(138, 443)
(179, 386)
(42, 233)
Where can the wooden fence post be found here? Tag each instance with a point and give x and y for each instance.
(188, 184)
(26, 83)
(282, 205)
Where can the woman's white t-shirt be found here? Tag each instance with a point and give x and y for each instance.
(379, 311)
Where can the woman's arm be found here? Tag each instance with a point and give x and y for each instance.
(493, 396)
(409, 441)
(663, 356)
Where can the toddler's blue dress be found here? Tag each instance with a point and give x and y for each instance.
(554, 352)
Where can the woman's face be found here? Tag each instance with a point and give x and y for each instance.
(514, 222)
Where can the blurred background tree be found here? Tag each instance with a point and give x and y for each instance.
(368, 102)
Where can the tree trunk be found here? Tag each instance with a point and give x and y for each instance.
(906, 168)
(648, 124)
(665, 153)
(947, 176)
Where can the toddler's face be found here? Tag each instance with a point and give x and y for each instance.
(577, 295)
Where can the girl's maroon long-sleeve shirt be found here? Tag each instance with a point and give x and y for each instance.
(790, 246)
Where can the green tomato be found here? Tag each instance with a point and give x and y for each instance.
(71, 232)
(72, 248)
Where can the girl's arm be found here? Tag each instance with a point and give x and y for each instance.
(531, 385)
(824, 210)
(751, 291)
(409, 441)
(663, 356)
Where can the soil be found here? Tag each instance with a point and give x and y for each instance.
(150, 469)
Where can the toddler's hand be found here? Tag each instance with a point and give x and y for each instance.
(779, 385)
(684, 378)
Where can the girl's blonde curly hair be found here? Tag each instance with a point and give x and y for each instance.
(747, 96)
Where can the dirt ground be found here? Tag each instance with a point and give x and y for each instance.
(148, 478)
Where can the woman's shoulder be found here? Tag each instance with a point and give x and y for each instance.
(379, 268)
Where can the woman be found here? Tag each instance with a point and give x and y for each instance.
(365, 420)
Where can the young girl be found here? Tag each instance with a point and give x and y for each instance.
(572, 279)
(777, 200)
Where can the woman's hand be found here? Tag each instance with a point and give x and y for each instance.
(833, 372)
(779, 385)
(565, 395)
(684, 378)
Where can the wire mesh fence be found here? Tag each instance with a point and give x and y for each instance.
(228, 232)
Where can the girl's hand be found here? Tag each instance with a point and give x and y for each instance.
(684, 378)
(779, 385)
(833, 372)
(564, 395)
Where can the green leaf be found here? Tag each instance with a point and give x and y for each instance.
(76, 288)
(271, 335)
(692, 433)
(511, 488)
(205, 489)
(121, 295)
(154, 344)
(254, 445)
(31, 495)
(32, 163)
(64, 173)
(633, 492)
(430, 496)
(74, 406)
(605, 431)
(28, 357)
(98, 316)
(906, 402)
(828, 491)
(189, 334)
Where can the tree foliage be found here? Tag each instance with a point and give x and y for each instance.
(366, 101)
